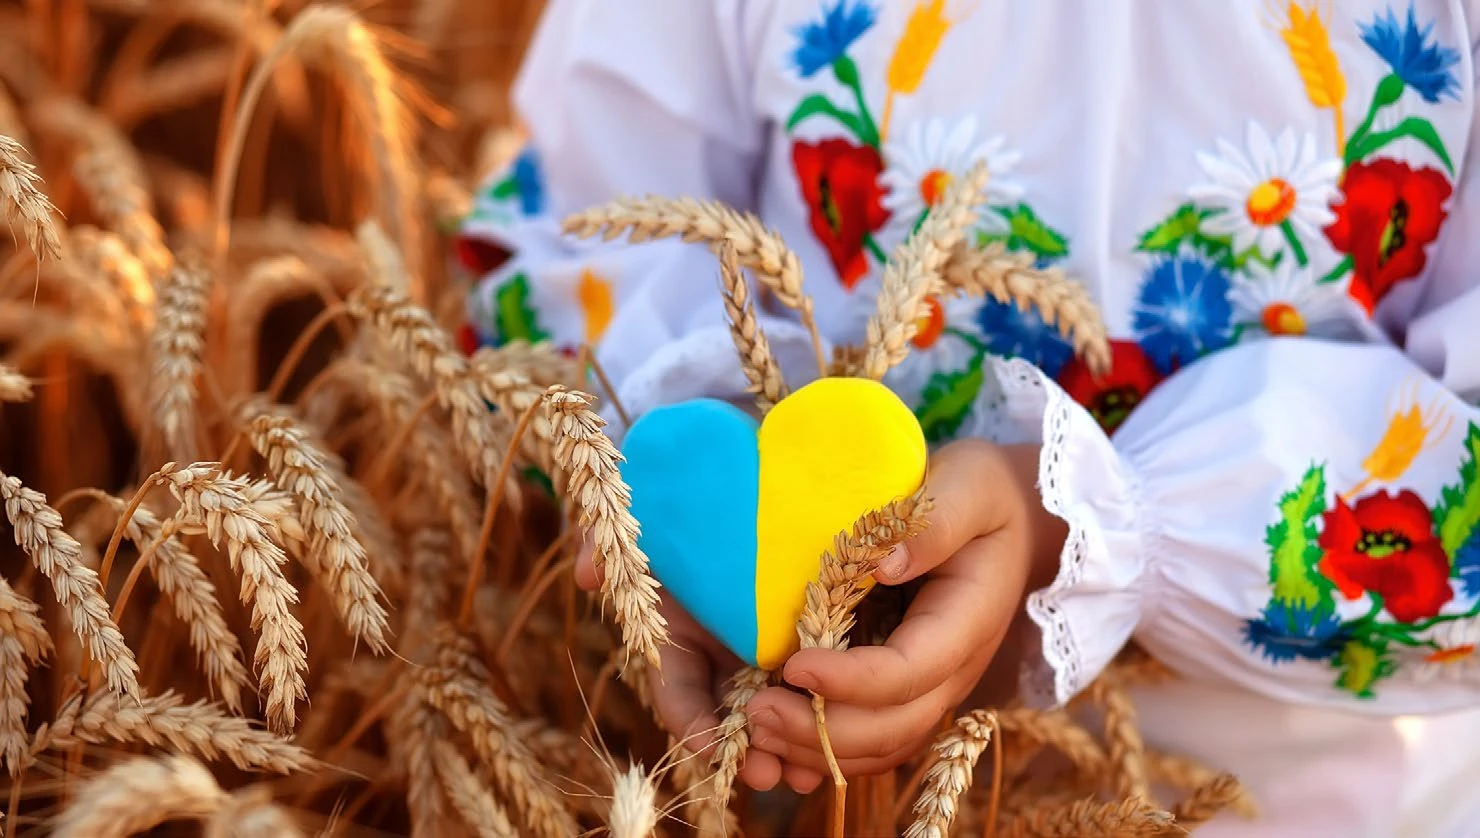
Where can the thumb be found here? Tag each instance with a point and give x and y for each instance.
(963, 509)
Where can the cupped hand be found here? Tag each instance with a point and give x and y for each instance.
(988, 540)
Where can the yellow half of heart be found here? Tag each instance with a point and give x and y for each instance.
(830, 452)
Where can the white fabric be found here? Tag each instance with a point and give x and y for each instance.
(1099, 122)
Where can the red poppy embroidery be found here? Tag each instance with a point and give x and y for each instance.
(1384, 544)
(1390, 213)
(467, 338)
(479, 257)
(840, 185)
(1111, 398)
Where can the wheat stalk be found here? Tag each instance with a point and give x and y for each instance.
(458, 689)
(25, 202)
(298, 463)
(590, 461)
(223, 507)
(1010, 278)
(957, 751)
(24, 643)
(201, 728)
(756, 359)
(913, 273)
(38, 531)
(175, 349)
(138, 794)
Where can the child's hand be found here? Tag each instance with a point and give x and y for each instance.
(695, 669)
(989, 537)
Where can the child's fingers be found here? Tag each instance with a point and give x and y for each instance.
(958, 615)
(783, 724)
(760, 770)
(588, 576)
(802, 780)
(959, 486)
(683, 696)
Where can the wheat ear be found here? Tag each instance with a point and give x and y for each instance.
(913, 273)
(756, 359)
(176, 347)
(138, 794)
(24, 643)
(25, 202)
(956, 751)
(250, 813)
(590, 461)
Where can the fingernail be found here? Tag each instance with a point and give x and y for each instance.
(764, 718)
(893, 565)
(802, 681)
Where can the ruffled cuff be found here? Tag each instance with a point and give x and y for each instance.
(1094, 603)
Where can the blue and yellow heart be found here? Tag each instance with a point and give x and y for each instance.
(736, 515)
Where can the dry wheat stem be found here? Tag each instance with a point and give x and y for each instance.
(957, 752)
(201, 728)
(38, 531)
(298, 463)
(176, 347)
(1012, 279)
(139, 794)
(503, 380)
(756, 358)
(24, 643)
(250, 813)
(913, 273)
(25, 202)
(594, 483)
(266, 283)
(222, 506)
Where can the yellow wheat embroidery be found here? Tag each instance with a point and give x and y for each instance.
(1309, 42)
(923, 33)
(1411, 430)
(595, 295)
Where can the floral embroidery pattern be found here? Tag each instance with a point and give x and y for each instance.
(870, 186)
(1412, 566)
(1237, 260)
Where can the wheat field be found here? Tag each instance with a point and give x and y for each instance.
(286, 562)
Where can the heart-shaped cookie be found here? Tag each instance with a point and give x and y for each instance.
(735, 516)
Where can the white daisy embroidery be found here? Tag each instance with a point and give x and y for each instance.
(948, 337)
(1286, 301)
(1455, 657)
(922, 159)
(1280, 189)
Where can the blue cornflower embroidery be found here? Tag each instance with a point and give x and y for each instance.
(1288, 632)
(1014, 333)
(824, 42)
(529, 182)
(1183, 312)
(1467, 564)
(1422, 65)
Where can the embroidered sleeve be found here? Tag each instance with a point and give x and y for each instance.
(651, 100)
(1288, 509)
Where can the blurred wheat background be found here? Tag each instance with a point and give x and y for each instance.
(277, 568)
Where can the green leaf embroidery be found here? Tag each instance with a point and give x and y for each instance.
(818, 104)
(1458, 511)
(1414, 127)
(1362, 663)
(1338, 272)
(1388, 91)
(947, 400)
(1294, 550)
(1171, 232)
(504, 189)
(1028, 232)
(513, 315)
